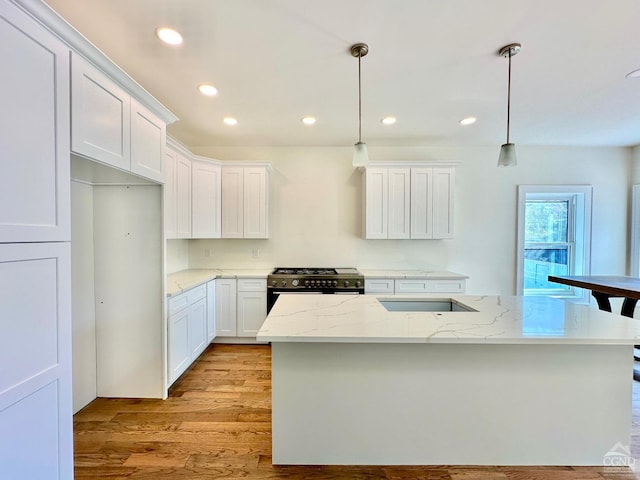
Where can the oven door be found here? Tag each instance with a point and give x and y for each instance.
(274, 293)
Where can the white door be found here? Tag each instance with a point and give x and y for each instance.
(232, 202)
(443, 195)
(148, 140)
(206, 196)
(100, 116)
(255, 219)
(376, 203)
(226, 307)
(36, 437)
(211, 310)
(421, 203)
(34, 121)
(183, 197)
(197, 328)
(252, 311)
(169, 194)
(178, 344)
(399, 203)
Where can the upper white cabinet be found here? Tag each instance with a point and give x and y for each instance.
(182, 190)
(206, 196)
(169, 195)
(408, 201)
(34, 121)
(109, 126)
(245, 202)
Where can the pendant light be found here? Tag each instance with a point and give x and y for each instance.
(360, 155)
(507, 156)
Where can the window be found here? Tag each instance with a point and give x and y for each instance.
(554, 238)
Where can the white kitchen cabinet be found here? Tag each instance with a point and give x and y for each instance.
(34, 121)
(226, 290)
(252, 306)
(182, 177)
(169, 194)
(399, 203)
(109, 126)
(187, 336)
(148, 143)
(206, 197)
(211, 310)
(100, 116)
(408, 201)
(408, 286)
(245, 199)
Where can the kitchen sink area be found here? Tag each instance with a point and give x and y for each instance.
(424, 305)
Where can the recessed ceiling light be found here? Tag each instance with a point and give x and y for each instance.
(634, 74)
(208, 90)
(169, 35)
(468, 121)
(308, 120)
(389, 120)
(230, 121)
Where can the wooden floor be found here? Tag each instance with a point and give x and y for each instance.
(217, 424)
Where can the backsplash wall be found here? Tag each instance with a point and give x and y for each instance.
(316, 211)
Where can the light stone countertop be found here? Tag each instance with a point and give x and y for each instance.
(498, 320)
(184, 280)
(411, 274)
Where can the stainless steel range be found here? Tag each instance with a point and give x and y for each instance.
(313, 280)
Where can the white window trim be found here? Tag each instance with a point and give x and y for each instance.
(634, 268)
(583, 212)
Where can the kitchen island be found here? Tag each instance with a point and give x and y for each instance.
(502, 381)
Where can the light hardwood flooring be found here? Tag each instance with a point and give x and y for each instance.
(216, 423)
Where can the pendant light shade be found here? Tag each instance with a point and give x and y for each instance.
(360, 154)
(507, 156)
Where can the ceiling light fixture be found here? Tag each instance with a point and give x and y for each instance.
(308, 120)
(230, 121)
(208, 90)
(468, 121)
(169, 35)
(507, 156)
(360, 155)
(389, 120)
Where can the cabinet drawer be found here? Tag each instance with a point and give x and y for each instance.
(447, 286)
(187, 298)
(252, 284)
(378, 285)
(412, 286)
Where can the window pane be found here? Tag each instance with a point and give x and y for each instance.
(546, 221)
(539, 263)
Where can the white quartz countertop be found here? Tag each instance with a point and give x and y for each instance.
(411, 274)
(179, 282)
(498, 320)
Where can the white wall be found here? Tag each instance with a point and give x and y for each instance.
(83, 317)
(315, 211)
(177, 255)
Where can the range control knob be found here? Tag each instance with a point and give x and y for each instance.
(358, 283)
(335, 283)
(306, 283)
(295, 282)
(284, 283)
(274, 283)
(346, 283)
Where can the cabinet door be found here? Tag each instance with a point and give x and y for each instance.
(226, 307)
(232, 202)
(252, 311)
(197, 328)
(178, 344)
(169, 192)
(255, 204)
(100, 116)
(376, 193)
(36, 438)
(211, 310)
(206, 197)
(421, 203)
(379, 285)
(399, 202)
(183, 197)
(443, 190)
(34, 121)
(148, 140)
(411, 286)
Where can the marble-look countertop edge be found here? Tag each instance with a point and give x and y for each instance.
(180, 282)
(411, 274)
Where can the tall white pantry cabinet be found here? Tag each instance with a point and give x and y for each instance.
(36, 438)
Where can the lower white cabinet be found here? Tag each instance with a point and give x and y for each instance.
(407, 286)
(252, 306)
(211, 310)
(187, 329)
(226, 307)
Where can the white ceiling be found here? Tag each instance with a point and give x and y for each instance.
(431, 63)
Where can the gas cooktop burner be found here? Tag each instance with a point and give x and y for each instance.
(304, 271)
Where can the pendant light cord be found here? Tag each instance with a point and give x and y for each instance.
(509, 97)
(359, 101)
